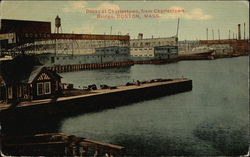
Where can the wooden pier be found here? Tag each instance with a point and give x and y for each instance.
(35, 112)
(57, 144)
(78, 67)
(139, 91)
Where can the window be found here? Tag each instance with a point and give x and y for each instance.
(9, 93)
(52, 59)
(47, 89)
(39, 88)
(24, 90)
(19, 91)
(43, 88)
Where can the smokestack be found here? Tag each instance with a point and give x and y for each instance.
(213, 33)
(244, 30)
(239, 33)
(207, 33)
(110, 30)
(229, 34)
(219, 34)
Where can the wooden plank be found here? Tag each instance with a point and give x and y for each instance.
(96, 143)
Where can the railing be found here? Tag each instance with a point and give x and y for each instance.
(58, 144)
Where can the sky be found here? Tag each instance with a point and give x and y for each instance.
(195, 17)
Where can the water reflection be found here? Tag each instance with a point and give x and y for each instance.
(182, 124)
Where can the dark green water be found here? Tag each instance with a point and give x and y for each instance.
(212, 119)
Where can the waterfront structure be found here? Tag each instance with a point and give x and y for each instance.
(62, 49)
(101, 55)
(103, 98)
(57, 144)
(221, 49)
(153, 48)
(186, 46)
(240, 47)
(36, 83)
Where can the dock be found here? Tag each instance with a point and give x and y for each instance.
(97, 99)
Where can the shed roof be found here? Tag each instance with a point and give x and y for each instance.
(11, 73)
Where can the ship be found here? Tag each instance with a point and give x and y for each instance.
(197, 53)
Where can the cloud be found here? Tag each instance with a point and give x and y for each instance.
(75, 6)
(198, 14)
(193, 14)
(87, 28)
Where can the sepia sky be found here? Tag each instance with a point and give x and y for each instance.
(197, 16)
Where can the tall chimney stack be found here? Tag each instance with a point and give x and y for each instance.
(213, 33)
(244, 30)
(219, 34)
(239, 33)
(207, 33)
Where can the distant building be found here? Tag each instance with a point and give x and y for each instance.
(221, 49)
(59, 49)
(24, 26)
(101, 55)
(153, 48)
(165, 52)
(37, 83)
(112, 50)
(36, 37)
(186, 46)
(238, 46)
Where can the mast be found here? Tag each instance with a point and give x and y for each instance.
(177, 31)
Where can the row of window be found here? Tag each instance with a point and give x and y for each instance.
(150, 55)
(94, 56)
(112, 50)
(143, 49)
(135, 44)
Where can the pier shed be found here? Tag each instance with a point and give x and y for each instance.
(37, 83)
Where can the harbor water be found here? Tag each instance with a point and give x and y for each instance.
(212, 119)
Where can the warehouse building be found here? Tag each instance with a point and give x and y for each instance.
(153, 48)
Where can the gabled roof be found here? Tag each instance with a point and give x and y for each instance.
(36, 71)
(10, 74)
(31, 76)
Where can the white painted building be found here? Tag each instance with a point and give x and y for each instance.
(146, 48)
(69, 46)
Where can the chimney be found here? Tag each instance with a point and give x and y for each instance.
(244, 30)
(239, 33)
(207, 33)
(140, 36)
